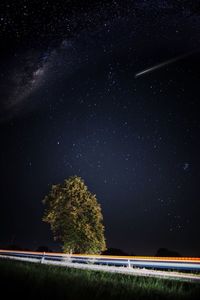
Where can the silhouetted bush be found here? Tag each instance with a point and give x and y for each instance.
(167, 253)
(114, 251)
(43, 249)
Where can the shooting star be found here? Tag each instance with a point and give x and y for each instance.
(163, 64)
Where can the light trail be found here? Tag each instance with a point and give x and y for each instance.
(135, 265)
(152, 258)
(163, 64)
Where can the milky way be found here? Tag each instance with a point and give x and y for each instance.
(34, 71)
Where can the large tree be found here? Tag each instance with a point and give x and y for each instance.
(75, 217)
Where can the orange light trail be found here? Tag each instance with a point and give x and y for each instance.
(152, 258)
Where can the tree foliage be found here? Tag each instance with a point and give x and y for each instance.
(75, 217)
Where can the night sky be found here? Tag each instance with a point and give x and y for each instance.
(71, 103)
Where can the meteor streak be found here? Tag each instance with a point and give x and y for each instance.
(165, 63)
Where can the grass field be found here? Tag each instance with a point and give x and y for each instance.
(36, 281)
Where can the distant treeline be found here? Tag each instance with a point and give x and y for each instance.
(162, 252)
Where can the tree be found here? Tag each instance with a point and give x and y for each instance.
(75, 217)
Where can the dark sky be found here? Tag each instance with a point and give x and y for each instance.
(71, 103)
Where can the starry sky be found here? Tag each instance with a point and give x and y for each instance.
(71, 103)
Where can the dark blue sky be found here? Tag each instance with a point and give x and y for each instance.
(70, 104)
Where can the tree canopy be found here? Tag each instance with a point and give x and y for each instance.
(75, 217)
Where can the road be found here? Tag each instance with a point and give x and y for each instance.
(170, 268)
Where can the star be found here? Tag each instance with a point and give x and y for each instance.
(186, 166)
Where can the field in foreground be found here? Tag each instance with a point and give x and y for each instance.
(36, 281)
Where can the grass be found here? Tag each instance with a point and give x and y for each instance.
(36, 281)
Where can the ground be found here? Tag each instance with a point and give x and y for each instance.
(37, 281)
